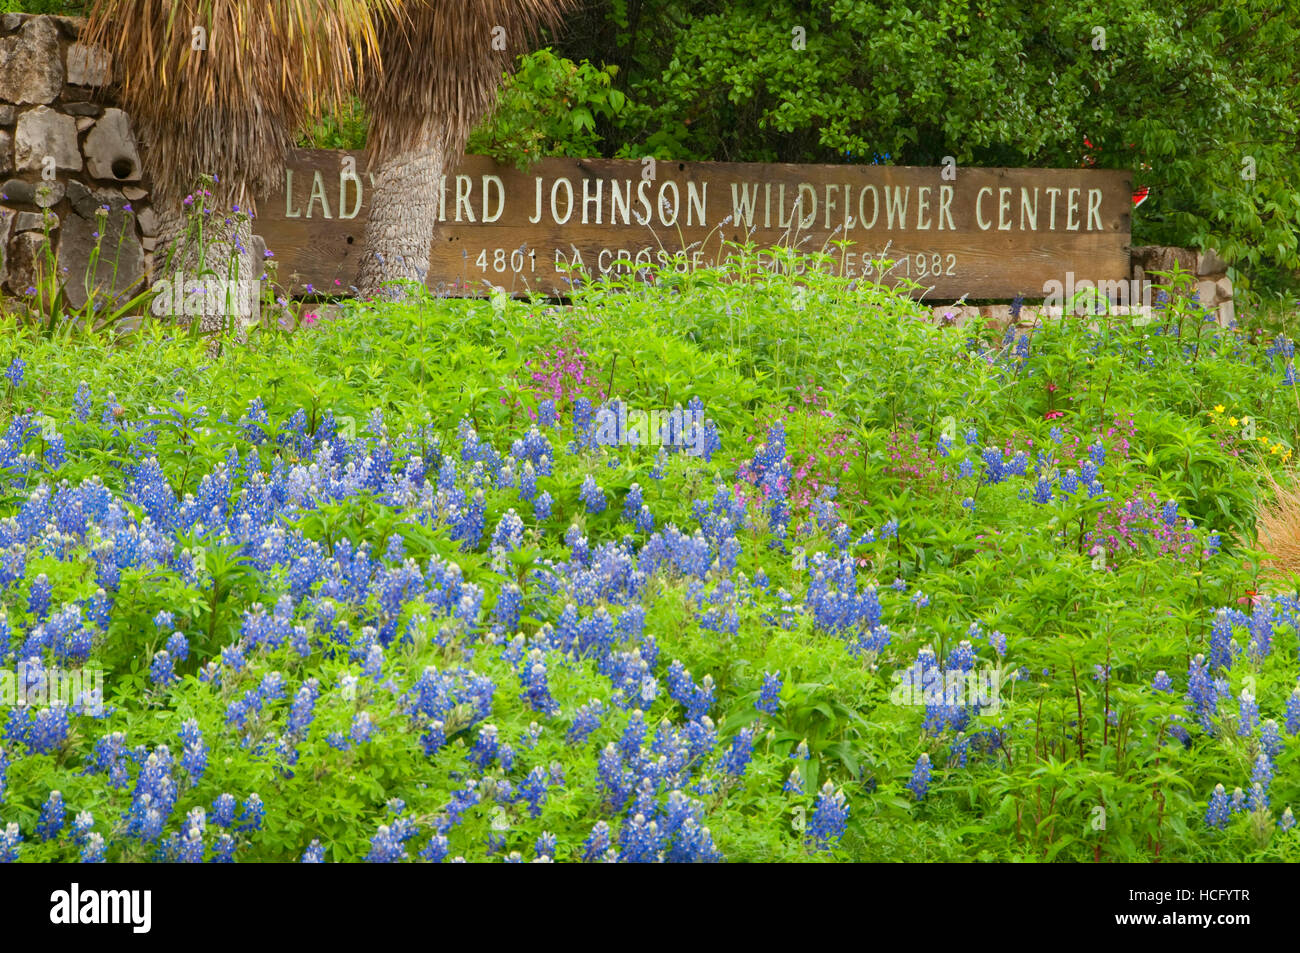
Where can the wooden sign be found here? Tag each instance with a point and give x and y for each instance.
(983, 233)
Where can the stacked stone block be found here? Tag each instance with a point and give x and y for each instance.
(66, 155)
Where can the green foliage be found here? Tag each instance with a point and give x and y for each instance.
(550, 106)
(345, 128)
(75, 8)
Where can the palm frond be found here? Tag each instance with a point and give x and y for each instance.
(442, 66)
(231, 110)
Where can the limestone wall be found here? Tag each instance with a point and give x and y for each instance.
(65, 155)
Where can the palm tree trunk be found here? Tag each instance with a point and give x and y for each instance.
(403, 217)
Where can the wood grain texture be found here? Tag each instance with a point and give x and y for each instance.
(991, 233)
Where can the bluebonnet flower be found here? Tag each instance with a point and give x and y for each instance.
(769, 701)
(1201, 692)
(633, 502)
(81, 826)
(1270, 739)
(994, 469)
(48, 730)
(533, 790)
(1287, 820)
(53, 813)
(436, 850)
(737, 757)
(545, 845)
(1162, 682)
(1293, 712)
(486, 747)
(1258, 797)
(547, 416)
(1248, 715)
(15, 371)
(194, 758)
(830, 817)
(362, 728)
(10, 838)
(223, 810)
(1216, 815)
(386, 847)
(190, 849)
(537, 692)
(800, 753)
(593, 848)
(920, 781)
(1261, 629)
(1069, 482)
(314, 854)
(252, 814)
(82, 402)
(592, 496)
(1238, 800)
(528, 481)
(154, 796)
(959, 750)
(793, 783)
(38, 599)
(223, 849)
(162, 671)
(542, 506)
(94, 850)
(509, 533)
(1262, 773)
(178, 647)
(586, 719)
(303, 711)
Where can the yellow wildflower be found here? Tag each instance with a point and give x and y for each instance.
(1219, 409)
(1232, 421)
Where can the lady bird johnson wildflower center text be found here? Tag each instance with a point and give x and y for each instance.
(984, 233)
